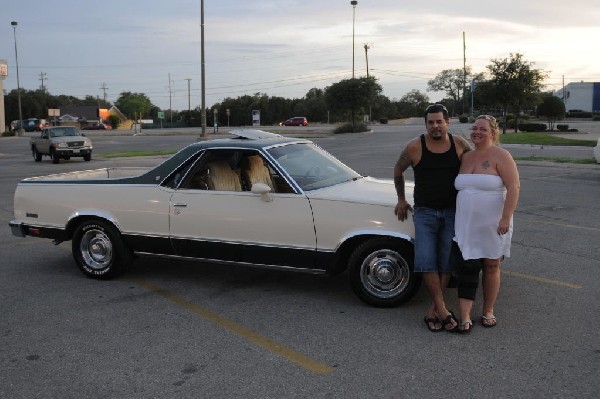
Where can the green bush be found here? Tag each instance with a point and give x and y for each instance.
(596, 118)
(532, 127)
(579, 114)
(562, 128)
(573, 130)
(348, 128)
(8, 134)
(463, 119)
(383, 121)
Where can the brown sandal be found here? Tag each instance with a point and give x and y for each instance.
(448, 321)
(465, 327)
(488, 321)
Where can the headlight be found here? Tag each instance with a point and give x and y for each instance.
(87, 143)
(62, 145)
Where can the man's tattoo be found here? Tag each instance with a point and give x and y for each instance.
(404, 161)
(485, 164)
(465, 146)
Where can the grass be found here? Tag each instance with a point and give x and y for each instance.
(583, 161)
(542, 139)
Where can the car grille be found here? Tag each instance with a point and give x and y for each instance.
(75, 144)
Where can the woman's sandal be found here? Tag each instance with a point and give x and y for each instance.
(488, 321)
(465, 327)
(431, 324)
(448, 321)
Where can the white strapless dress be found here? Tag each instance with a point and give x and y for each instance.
(479, 207)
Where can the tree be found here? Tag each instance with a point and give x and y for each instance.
(413, 103)
(131, 103)
(351, 95)
(451, 81)
(516, 84)
(552, 107)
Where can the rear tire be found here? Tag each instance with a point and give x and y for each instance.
(381, 272)
(99, 250)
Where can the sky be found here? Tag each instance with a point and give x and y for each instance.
(284, 47)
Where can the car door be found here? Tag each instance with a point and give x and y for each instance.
(215, 216)
(43, 143)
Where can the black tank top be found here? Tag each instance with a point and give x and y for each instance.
(434, 177)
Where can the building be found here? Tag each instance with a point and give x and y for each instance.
(581, 96)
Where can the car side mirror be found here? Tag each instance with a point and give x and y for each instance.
(264, 191)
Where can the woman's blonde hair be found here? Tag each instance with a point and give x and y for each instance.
(493, 125)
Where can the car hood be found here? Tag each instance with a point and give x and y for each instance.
(366, 190)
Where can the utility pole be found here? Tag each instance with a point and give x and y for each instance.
(189, 105)
(170, 92)
(464, 73)
(104, 88)
(43, 88)
(202, 72)
(42, 78)
(367, 47)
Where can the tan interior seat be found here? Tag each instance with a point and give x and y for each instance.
(257, 172)
(222, 178)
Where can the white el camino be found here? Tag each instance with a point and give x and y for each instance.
(257, 199)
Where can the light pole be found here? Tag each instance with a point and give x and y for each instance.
(354, 3)
(14, 25)
(202, 72)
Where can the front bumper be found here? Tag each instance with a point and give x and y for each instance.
(73, 152)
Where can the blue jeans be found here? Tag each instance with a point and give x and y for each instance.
(434, 230)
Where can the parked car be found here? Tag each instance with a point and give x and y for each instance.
(61, 142)
(97, 126)
(34, 125)
(258, 199)
(295, 121)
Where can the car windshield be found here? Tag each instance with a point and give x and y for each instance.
(63, 132)
(311, 167)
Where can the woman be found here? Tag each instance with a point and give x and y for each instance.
(488, 192)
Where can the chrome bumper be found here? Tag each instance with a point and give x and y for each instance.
(17, 228)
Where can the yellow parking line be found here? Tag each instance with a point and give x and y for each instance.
(542, 280)
(573, 226)
(281, 350)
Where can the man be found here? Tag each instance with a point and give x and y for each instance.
(435, 159)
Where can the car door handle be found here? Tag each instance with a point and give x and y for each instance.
(180, 204)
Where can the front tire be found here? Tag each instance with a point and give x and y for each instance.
(54, 156)
(99, 250)
(37, 157)
(87, 157)
(381, 272)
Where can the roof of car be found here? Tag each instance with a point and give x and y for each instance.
(255, 140)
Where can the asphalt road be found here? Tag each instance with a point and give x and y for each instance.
(188, 330)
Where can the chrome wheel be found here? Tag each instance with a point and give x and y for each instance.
(380, 271)
(96, 249)
(384, 273)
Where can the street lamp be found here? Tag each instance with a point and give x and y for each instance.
(14, 25)
(354, 3)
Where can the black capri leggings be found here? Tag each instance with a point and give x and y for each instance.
(468, 275)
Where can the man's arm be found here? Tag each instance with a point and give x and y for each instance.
(462, 145)
(402, 164)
